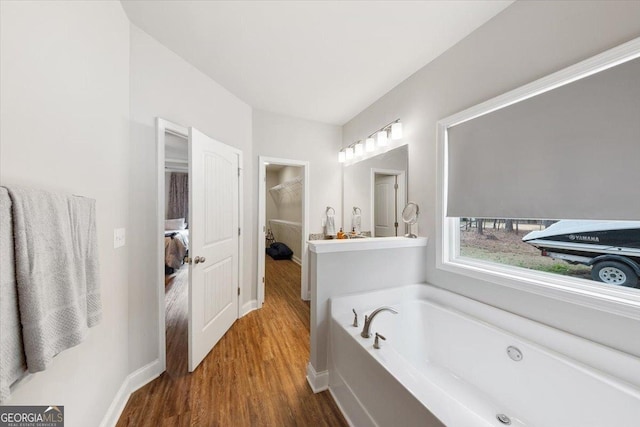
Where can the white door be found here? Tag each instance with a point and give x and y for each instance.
(213, 234)
(385, 205)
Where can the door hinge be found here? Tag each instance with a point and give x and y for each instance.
(263, 280)
(238, 291)
(264, 228)
(395, 186)
(238, 231)
(395, 224)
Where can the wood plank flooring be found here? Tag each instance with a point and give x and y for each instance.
(255, 375)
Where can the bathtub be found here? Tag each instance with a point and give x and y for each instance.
(445, 362)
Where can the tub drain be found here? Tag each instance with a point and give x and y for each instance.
(514, 353)
(504, 419)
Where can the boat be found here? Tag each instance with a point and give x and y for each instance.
(610, 248)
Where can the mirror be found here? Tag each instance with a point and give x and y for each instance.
(410, 216)
(377, 187)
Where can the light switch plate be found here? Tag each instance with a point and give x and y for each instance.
(119, 237)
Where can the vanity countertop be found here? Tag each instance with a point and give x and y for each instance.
(364, 244)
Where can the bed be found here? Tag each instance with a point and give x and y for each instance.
(176, 244)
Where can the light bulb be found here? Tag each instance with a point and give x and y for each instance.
(396, 130)
(382, 138)
(369, 145)
(359, 149)
(349, 153)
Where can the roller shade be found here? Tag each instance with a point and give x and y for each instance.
(572, 152)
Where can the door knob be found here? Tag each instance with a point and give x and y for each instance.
(198, 260)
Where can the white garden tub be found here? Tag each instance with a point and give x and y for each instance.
(445, 362)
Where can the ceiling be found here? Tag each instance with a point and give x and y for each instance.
(319, 60)
(274, 168)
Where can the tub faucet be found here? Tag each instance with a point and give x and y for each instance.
(376, 343)
(369, 319)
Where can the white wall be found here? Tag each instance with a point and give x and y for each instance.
(164, 85)
(290, 208)
(525, 42)
(271, 208)
(289, 172)
(275, 135)
(65, 108)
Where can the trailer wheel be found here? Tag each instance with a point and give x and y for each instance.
(614, 273)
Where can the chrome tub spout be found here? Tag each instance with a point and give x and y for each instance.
(368, 319)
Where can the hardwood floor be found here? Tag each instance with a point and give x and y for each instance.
(255, 375)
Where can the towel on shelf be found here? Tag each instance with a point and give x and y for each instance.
(12, 360)
(56, 266)
(356, 223)
(330, 225)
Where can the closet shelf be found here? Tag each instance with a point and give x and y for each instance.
(289, 190)
(292, 224)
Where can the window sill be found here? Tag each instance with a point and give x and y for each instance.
(616, 300)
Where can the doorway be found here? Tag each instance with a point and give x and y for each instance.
(205, 282)
(388, 189)
(283, 210)
(176, 244)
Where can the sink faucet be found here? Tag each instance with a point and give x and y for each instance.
(369, 319)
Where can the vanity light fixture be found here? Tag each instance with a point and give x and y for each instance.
(379, 138)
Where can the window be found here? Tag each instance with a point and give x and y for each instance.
(604, 251)
(565, 146)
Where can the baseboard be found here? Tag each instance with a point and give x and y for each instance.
(296, 260)
(133, 382)
(319, 381)
(248, 307)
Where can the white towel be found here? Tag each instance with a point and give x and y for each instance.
(330, 226)
(356, 223)
(56, 261)
(12, 361)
